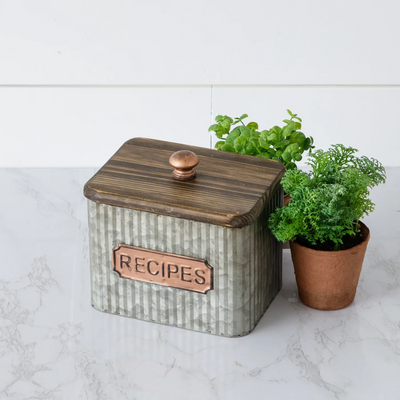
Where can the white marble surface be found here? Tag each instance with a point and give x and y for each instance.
(53, 345)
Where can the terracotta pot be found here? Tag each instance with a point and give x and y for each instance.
(327, 280)
(286, 199)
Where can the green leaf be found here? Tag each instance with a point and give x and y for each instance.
(213, 127)
(250, 149)
(306, 144)
(264, 134)
(290, 165)
(232, 136)
(329, 200)
(264, 155)
(293, 148)
(273, 138)
(297, 156)
(282, 143)
(222, 131)
(228, 147)
(263, 143)
(253, 125)
(240, 140)
(240, 143)
(226, 124)
(286, 156)
(255, 141)
(219, 145)
(274, 142)
(277, 129)
(244, 131)
(298, 137)
(288, 129)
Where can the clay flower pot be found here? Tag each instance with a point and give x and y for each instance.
(286, 199)
(327, 280)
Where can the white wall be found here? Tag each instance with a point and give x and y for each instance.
(78, 78)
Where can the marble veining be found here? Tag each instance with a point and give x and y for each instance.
(54, 345)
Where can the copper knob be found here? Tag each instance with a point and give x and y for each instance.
(184, 162)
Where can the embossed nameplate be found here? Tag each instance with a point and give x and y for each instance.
(162, 268)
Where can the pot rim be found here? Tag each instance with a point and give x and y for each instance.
(365, 232)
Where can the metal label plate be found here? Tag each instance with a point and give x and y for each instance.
(165, 269)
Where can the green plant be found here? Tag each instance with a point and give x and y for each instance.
(327, 202)
(285, 144)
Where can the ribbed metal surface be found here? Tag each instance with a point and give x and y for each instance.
(247, 265)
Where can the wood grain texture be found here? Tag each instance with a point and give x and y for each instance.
(229, 189)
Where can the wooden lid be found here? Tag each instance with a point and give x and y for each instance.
(229, 189)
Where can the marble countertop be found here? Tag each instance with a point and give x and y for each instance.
(54, 345)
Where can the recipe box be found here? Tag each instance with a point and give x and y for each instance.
(191, 248)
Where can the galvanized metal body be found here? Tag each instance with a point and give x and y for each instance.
(246, 266)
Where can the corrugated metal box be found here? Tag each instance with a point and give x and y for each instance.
(194, 254)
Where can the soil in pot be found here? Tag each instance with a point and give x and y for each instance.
(349, 241)
(327, 280)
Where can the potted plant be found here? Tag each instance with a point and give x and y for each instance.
(285, 144)
(322, 221)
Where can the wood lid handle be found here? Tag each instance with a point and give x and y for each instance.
(184, 162)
